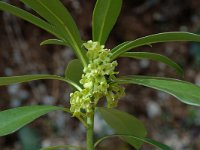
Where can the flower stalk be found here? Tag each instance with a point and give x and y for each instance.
(97, 82)
(90, 132)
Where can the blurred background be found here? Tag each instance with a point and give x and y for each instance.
(166, 119)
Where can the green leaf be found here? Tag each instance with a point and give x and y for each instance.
(156, 57)
(28, 17)
(141, 139)
(54, 42)
(14, 119)
(56, 14)
(61, 147)
(154, 38)
(184, 91)
(74, 71)
(124, 123)
(27, 78)
(104, 17)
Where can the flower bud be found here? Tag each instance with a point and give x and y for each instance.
(96, 81)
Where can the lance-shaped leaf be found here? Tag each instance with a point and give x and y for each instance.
(140, 139)
(56, 14)
(54, 42)
(28, 17)
(13, 119)
(184, 91)
(74, 71)
(156, 57)
(28, 78)
(104, 18)
(124, 123)
(154, 38)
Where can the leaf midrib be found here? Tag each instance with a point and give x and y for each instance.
(155, 57)
(26, 16)
(118, 119)
(166, 90)
(41, 77)
(26, 115)
(103, 23)
(76, 47)
(117, 52)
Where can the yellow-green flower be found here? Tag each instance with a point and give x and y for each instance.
(96, 82)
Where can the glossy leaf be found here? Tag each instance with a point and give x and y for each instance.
(14, 119)
(28, 17)
(54, 42)
(184, 91)
(154, 38)
(104, 18)
(28, 78)
(141, 139)
(58, 15)
(156, 57)
(74, 71)
(124, 123)
(61, 147)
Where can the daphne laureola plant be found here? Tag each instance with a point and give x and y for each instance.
(93, 73)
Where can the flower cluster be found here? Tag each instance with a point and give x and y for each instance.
(96, 81)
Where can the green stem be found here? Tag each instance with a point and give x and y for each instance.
(90, 130)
